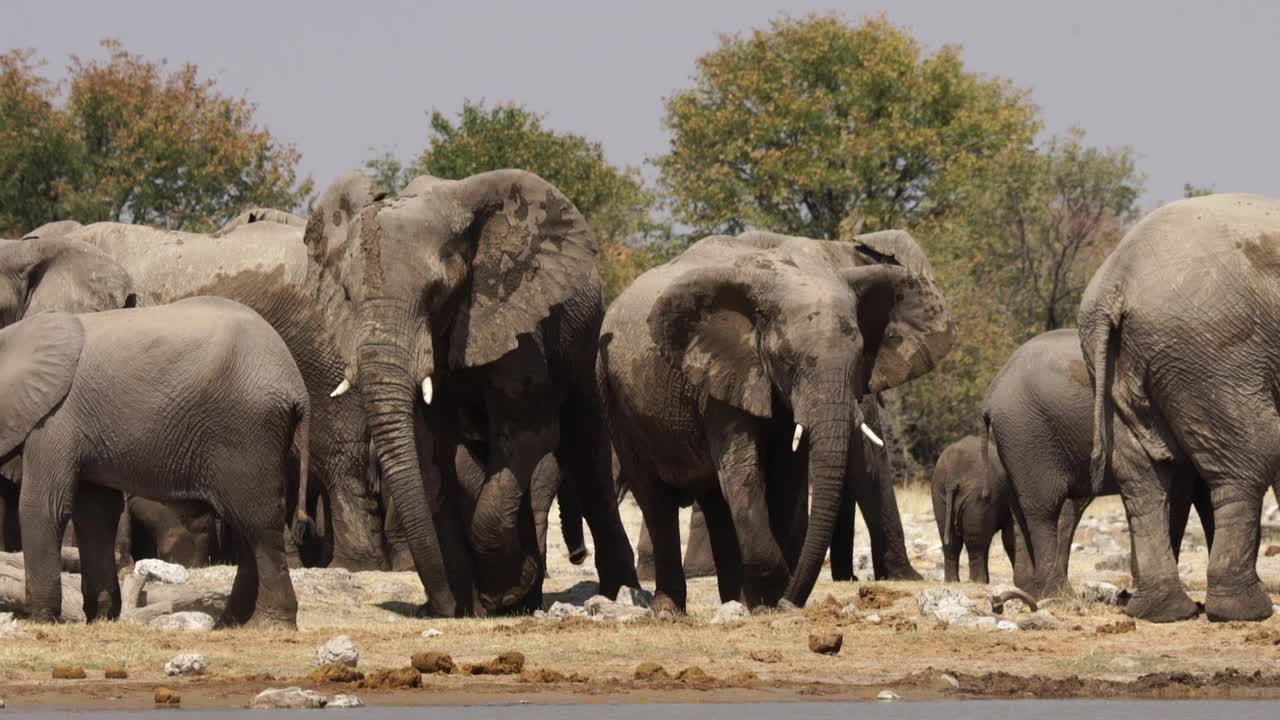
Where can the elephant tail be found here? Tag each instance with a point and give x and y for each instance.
(303, 525)
(949, 513)
(1101, 344)
(988, 470)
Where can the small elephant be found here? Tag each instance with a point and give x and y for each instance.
(970, 504)
(198, 401)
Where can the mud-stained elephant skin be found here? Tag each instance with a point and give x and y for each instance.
(1038, 421)
(970, 505)
(469, 312)
(198, 401)
(263, 265)
(742, 362)
(1180, 330)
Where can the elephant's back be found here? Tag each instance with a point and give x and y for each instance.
(959, 460)
(168, 265)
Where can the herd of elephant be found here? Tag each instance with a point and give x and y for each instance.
(411, 381)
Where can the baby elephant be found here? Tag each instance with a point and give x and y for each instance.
(197, 401)
(970, 503)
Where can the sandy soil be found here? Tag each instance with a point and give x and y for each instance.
(766, 657)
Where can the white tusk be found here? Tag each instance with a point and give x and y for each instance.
(427, 390)
(342, 388)
(872, 436)
(795, 439)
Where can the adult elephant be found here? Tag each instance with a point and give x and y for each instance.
(732, 377)
(1179, 329)
(468, 312)
(263, 265)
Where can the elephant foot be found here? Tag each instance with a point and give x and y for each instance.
(578, 555)
(265, 619)
(45, 617)
(1165, 603)
(907, 574)
(843, 576)
(1248, 604)
(665, 607)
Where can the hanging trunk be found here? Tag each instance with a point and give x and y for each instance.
(507, 570)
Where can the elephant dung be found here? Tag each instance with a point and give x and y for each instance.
(335, 674)
(184, 622)
(338, 651)
(69, 673)
(116, 673)
(508, 663)
(165, 696)
(185, 665)
(392, 679)
(161, 571)
(730, 613)
(290, 698)
(651, 671)
(827, 643)
(429, 663)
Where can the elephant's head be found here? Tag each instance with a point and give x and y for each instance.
(761, 330)
(445, 277)
(58, 274)
(38, 359)
(55, 229)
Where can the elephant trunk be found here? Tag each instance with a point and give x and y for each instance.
(831, 424)
(506, 569)
(390, 393)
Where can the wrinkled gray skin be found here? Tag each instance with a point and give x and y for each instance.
(970, 505)
(255, 215)
(263, 265)
(1180, 330)
(1038, 412)
(708, 363)
(872, 492)
(198, 401)
(487, 288)
(39, 275)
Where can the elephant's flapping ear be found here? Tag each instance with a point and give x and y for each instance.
(326, 228)
(62, 274)
(38, 359)
(532, 250)
(906, 329)
(706, 325)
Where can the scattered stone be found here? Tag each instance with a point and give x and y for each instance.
(508, 663)
(888, 696)
(431, 633)
(290, 698)
(335, 674)
(1076, 547)
(650, 671)
(694, 675)
(561, 610)
(1040, 620)
(1007, 626)
(69, 673)
(850, 609)
(767, 657)
(951, 680)
(1272, 551)
(165, 696)
(945, 604)
(433, 663)
(116, 673)
(338, 651)
(634, 597)
(407, 677)
(1103, 592)
(603, 608)
(730, 613)
(9, 629)
(343, 702)
(1118, 627)
(785, 605)
(195, 622)
(185, 665)
(161, 571)
(828, 643)
(872, 618)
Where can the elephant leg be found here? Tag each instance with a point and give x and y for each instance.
(662, 518)
(585, 459)
(10, 527)
(718, 533)
(1181, 497)
(1010, 543)
(97, 513)
(244, 588)
(1235, 591)
(765, 571)
(451, 511)
(1144, 487)
(1068, 521)
(401, 560)
(644, 554)
(349, 479)
(879, 506)
(842, 542)
(45, 501)
(699, 553)
(1024, 569)
(262, 593)
(951, 543)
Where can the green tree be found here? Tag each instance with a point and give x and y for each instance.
(1190, 191)
(801, 126)
(137, 142)
(614, 200)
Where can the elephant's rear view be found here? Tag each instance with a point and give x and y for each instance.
(195, 401)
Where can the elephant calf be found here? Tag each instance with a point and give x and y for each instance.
(970, 504)
(197, 401)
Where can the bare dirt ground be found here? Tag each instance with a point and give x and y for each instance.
(1094, 652)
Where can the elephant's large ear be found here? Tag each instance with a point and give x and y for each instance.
(533, 251)
(326, 228)
(705, 324)
(63, 274)
(38, 358)
(906, 329)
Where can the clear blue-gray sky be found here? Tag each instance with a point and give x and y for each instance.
(1192, 86)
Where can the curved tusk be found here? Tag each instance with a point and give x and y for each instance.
(872, 436)
(795, 439)
(427, 390)
(342, 388)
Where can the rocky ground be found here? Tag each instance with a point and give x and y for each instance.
(855, 640)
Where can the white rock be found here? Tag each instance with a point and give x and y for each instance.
(888, 696)
(562, 610)
(872, 618)
(343, 702)
(945, 604)
(1007, 626)
(786, 606)
(1076, 547)
(1275, 609)
(603, 608)
(9, 629)
(1100, 592)
(338, 651)
(431, 633)
(634, 597)
(185, 665)
(161, 571)
(729, 613)
(290, 698)
(1040, 620)
(950, 680)
(195, 622)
